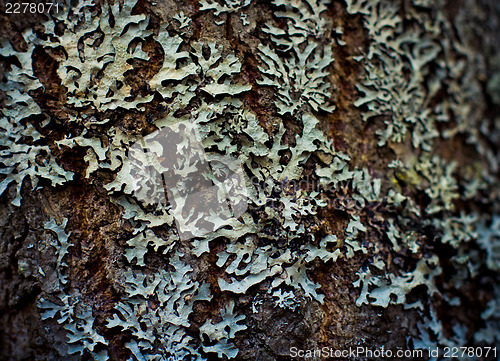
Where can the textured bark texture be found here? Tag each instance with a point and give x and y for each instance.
(364, 135)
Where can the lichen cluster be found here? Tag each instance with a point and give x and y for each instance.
(408, 67)
(418, 86)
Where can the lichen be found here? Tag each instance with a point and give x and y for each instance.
(69, 309)
(227, 6)
(222, 331)
(76, 316)
(23, 155)
(155, 309)
(406, 65)
(203, 175)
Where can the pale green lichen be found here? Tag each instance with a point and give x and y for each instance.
(61, 244)
(22, 156)
(222, 331)
(157, 307)
(227, 6)
(489, 240)
(409, 59)
(285, 299)
(403, 72)
(95, 74)
(393, 289)
(299, 75)
(489, 334)
(69, 309)
(77, 320)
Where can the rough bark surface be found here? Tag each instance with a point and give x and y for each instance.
(455, 308)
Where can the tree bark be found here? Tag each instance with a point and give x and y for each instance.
(249, 180)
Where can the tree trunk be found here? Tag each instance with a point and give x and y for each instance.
(249, 179)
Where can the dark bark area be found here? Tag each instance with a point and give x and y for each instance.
(99, 232)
